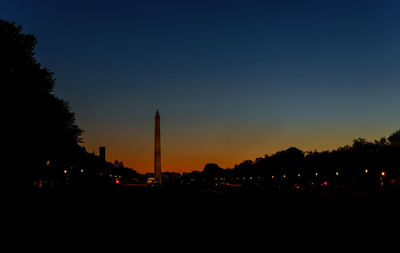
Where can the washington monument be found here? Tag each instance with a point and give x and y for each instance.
(157, 150)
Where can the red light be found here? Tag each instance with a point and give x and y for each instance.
(117, 181)
(297, 187)
(325, 183)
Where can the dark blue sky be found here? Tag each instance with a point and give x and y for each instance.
(233, 80)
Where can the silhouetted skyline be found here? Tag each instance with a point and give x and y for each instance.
(58, 163)
(234, 79)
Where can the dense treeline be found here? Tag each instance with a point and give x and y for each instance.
(38, 126)
(363, 166)
(39, 122)
(40, 135)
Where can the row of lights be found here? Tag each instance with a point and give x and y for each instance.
(244, 178)
(66, 171)
(383, 173)
(325, 183)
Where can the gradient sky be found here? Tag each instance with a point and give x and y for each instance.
(233, 80)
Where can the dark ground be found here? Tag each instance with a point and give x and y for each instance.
(123, 220)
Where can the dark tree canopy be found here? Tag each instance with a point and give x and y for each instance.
(211, 167)
(39, 126)
(394, 139)
(211, 170)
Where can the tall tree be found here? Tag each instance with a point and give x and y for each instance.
(38, 126)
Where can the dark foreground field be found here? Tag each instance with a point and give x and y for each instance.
(177, 203)
(169, 219)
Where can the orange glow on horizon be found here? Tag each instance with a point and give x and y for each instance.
(185, 160)
(186, 152)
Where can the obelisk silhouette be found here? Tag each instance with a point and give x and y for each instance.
(157, 150)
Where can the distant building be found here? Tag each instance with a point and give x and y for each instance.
(150, 180)
(102, 153)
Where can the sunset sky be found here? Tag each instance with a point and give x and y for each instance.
(233, 80)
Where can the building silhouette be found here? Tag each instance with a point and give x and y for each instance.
(157, 150)
(102, 153)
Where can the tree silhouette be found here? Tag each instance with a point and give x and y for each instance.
(211, 170)
(394, 139)
(38, 126)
